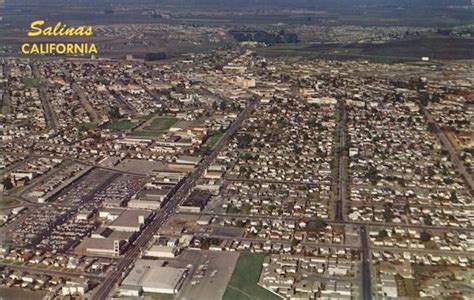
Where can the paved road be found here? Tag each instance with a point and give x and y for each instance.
(51, 119)
(124, 102)
(6, 96)
(233, 178)
(274, 241)
(339, 209)
(41, 271)
(284, 218)
(85, 103)
(168, 209)
(366, 278)
(452, 152)
(424, 251)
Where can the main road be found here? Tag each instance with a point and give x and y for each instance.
(340, 150)
(366, 278)
(126, 262)
(452, 152)
(52, 272)
(49, 114)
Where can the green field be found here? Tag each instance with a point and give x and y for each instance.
(8, 201)
(213, 139)
(436, 47)
(157, 296)
(121, 125)
(146, 133)
(31, 82)
(86, 125)
(162, 123)
(243, 283)
(157, 127)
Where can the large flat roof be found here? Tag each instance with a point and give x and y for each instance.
(152, 274)
(129, 217)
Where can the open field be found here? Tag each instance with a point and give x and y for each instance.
(121, 125)
(213, 139)
(8, 201)
(162, 123)
(157, 296)
(146, 133)
(17, 293)
(155, 127)
(86, 125)
(243, 284)
(434, 47)
(31, 82)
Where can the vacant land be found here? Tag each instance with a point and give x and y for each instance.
(86, 125)
(157, 296)
(31, 82)
(243, 283)
(121, 125)
(162, 123)
(8, 201)
(17, 293)
(213, 139)
(435, 47)
(155, 127)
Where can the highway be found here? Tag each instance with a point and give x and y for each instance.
(168, 209)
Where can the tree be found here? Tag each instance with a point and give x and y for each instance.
(115, 112)
(454, 197)
(372, 175)
(388, 212)
(425, 236)
(383, 234)
(428, 220)
(316, 225)
(223, 105)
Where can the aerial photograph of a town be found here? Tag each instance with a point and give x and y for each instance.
(237, 149)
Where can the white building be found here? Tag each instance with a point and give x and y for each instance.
(151, 277)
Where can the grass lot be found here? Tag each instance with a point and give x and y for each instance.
(8, 201)
(213, 139)
(162, 123)
(31, 82)
(157, 127)
(121, 125)
(243, 283)
(407, 50)
(157, 296)
(86, 125)
(146, 133)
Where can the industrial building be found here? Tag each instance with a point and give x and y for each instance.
(195, 202)
(151, 276)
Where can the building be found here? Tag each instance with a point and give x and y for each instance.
(131, 220)
(195, 202)
(150, 276)
(102, 246)
(151, 198)
(75, 287)
(161, 251)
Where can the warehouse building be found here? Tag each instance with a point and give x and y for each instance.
(151, 276)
